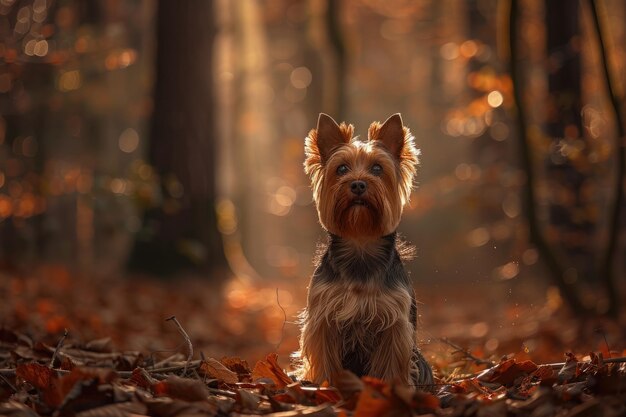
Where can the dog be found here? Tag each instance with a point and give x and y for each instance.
(361, 312)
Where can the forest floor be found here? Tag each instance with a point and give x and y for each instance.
(493, 354)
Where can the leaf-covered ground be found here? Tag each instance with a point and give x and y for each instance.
(227, 353)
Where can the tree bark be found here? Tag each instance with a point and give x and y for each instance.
(551, 260)
(607, 266)
(181, 234)
(570, 213)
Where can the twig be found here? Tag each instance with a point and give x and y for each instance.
(621, 359)
(167, 360)
(6, 381)
(187, 339)
(56, 350)
(600, 330)
(188, 365)
(607, 271)
(466, 353)
(282, 330)
(222, 392)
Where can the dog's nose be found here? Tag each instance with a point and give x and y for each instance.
(358, 187)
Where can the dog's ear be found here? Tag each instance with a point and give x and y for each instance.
(329, 136)
(391, 134)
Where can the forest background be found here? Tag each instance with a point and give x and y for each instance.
(151, 165)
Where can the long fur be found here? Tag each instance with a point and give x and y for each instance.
(361, 311)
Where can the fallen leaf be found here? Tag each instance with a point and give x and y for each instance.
(214, 369)
(507, 371)
(141, 378)
(168, 407)
(182, 389)
(569, 369)
(323, 410)
(44, 379)
(103, 345)
(269, 368)
(374, 400)
(237, 365)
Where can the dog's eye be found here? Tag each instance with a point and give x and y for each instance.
(377, 170)
(342, 169)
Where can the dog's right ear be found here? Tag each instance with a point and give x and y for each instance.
(329, 135)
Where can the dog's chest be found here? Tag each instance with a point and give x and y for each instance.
(368, 306)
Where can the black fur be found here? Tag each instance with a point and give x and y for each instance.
(336, 261)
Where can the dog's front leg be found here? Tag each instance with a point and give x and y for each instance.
(392, 356)
(321, 347)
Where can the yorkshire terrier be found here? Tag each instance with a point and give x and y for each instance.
(361, 312)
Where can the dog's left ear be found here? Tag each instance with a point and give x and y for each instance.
(390, 134)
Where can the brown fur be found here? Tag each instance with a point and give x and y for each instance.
(390, 192)
(360, 299)
(345, 316)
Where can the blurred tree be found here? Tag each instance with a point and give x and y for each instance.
(570, 211)
(181, 234)
(607, 270)
(25, 109)
(334, 61)
(551, 259)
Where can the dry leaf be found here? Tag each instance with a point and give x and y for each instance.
(507, 371)
(214, 369)
(374, 400)
(181, 388)
(269, 368)
(44, 379)
(237, 365)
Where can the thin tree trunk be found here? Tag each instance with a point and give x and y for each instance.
(553, 264)
(569, 212)
(607, 266)
(336, 40)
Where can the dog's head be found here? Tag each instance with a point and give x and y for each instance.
(360, 186)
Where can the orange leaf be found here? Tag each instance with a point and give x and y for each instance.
(44, 379)
(53, 388)
(181, 388)
(374, 400)
(508, 371)
(269, 368)
(39, 376)
(327, 395)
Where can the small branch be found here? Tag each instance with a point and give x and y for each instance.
(466, 353)
(600, 330)
(6, 381)
(167, 360)
(56, 350)
(282, 330)
(164, 370)
(558, 365)
(11, 372)
(187, 340)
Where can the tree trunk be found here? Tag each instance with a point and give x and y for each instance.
(181, 234)
(570, 214)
